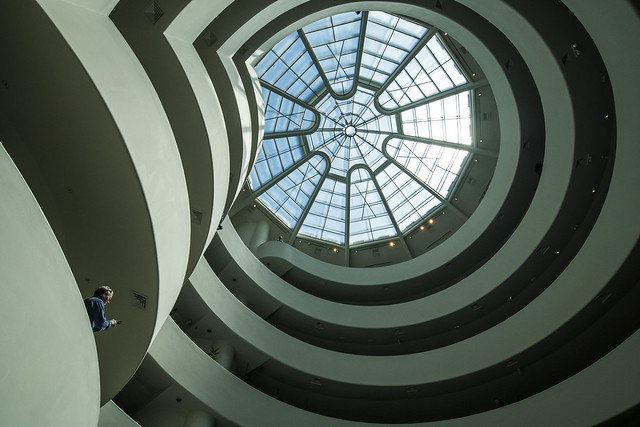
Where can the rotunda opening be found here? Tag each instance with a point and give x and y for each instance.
(369, 131)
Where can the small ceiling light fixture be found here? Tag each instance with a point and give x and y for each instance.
(606, 116)
(335, 250)
(593, 191)
(430, 220)
(473, 74)
(422, 227)
(446, 34)
(392, 244)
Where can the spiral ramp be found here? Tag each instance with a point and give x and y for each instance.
(129, 129)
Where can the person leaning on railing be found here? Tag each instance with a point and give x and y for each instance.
(95, 309)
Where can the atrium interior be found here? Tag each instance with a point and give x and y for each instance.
(320, 213)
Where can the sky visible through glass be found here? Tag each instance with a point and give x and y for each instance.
(367, 127)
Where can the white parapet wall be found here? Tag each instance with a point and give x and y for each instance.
(48, 362)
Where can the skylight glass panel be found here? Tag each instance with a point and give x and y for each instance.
(368, 217)
(408, 200)
(289, 67)
(388, 40)
(447, 119)
(327, 216)
(283, 115)
(274, 157)
(431, 71)
(288, 197)
(434, 165)
(334, 41)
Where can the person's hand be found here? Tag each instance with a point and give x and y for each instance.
(113, 322)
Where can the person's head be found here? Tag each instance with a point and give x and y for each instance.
(105, 293)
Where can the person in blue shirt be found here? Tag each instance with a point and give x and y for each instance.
(95, 309)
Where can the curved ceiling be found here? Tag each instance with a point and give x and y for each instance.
(523, 290)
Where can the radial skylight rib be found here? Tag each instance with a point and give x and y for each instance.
(431, 71)
(288, 197)
(327, 216)
(410, 200)
(334, 41)
(368, 217)
(274, 157)
(388, 40)
(289, 67)
(436, 166)
(447, 119)
(285, 116)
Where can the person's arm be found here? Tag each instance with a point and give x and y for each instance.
(102, 321)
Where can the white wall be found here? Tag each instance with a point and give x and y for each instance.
(48, 362)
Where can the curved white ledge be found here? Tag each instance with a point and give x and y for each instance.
(575, 287)
(137, 112)
(42, 313)
(602, 387)
(196, 372)
(181, 34)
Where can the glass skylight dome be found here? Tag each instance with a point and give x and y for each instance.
(367, 127)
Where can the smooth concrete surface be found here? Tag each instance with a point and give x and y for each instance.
(48, 363)
(147, 40)
(211, 111)
(112, 416)
(507, 339)
(193, 370)
(479, 352)
(604, 389)
(137, 112)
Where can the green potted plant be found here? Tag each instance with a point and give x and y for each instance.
(214, 352)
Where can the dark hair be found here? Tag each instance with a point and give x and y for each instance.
(102, 290)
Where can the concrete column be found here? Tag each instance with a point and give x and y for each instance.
(226, 354)
(260, 235)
